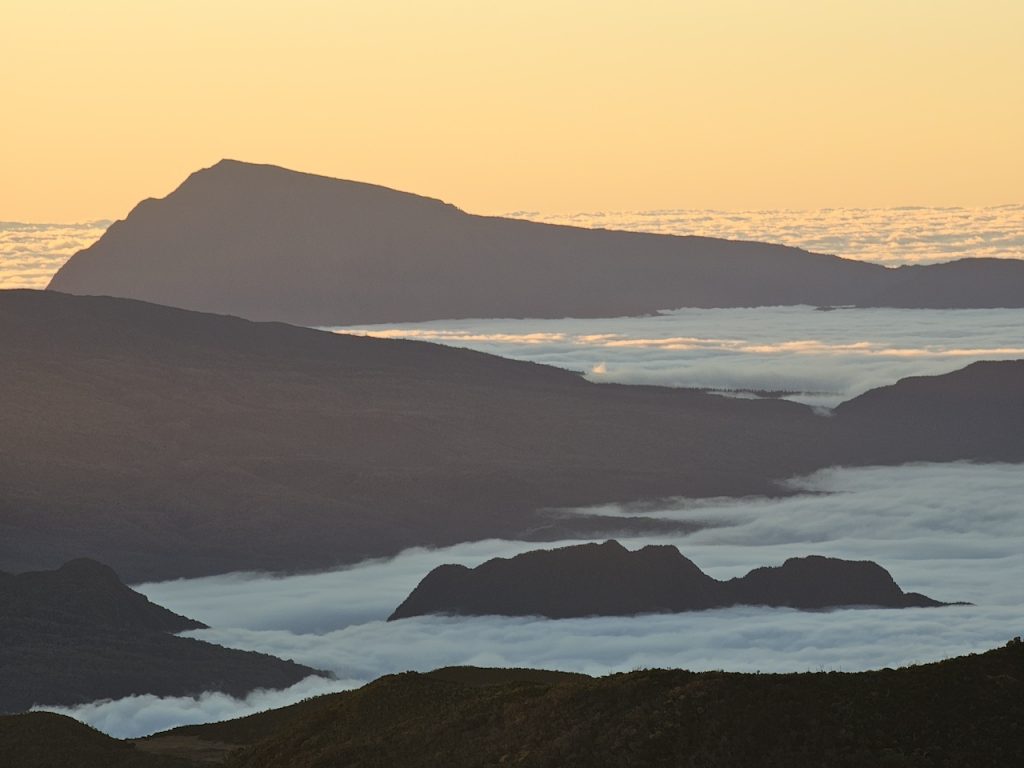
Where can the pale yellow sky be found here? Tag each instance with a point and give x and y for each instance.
(540, 105)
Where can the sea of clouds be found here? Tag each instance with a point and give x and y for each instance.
(891, 236)
(952, 531)
(822, 357)
(31, 253)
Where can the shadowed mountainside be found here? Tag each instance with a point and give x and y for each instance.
(160, 440)
(172, 443)
(268, 243)
(609, 580)
(78, 634)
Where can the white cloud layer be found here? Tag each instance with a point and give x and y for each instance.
(826, 357)
(31, 253)
(890, 236)
(952, 531)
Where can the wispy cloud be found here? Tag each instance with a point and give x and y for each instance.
(142, 715)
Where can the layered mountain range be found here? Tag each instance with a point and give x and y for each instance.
(78, 634)
(609, 580)
(267, 243)
(172, 443)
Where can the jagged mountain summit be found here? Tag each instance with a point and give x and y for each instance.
(77, 634)
(609, 580)
(267, 243)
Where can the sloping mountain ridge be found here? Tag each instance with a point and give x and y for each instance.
(156, 439)
(268, 243)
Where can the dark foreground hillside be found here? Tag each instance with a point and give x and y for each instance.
(967, 711)
(46, 740)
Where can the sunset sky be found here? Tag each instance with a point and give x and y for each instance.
(537, 105)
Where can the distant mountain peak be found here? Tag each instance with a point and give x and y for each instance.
(268, 243)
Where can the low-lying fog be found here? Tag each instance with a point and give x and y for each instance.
(954, 532)
(821, 357)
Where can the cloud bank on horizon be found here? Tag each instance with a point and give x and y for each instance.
(952, 531)
(890, 236)
(822, 358)
(31, 253)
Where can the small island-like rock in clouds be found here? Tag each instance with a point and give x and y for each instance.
(78, 634)
(609, 580)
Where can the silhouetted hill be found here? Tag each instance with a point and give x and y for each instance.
(172, 443)
(815, 582)
(85, 592)
(609, 580)
(271, 244)
(976, 412)
(967, 712)
(78, 634)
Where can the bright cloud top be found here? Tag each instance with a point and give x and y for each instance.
(31, 253)
(954, 532)
(822, 357)
(890, 236)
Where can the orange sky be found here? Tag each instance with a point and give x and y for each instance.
(549, 106)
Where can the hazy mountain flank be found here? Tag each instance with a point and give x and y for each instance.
(171, 443)
(78, 634)
(267, 243)
(609, 580)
